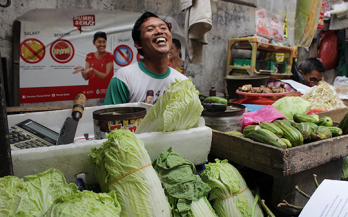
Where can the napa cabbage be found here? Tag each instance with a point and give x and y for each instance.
(179, 108)
(186, 191)
(138, 191)
(86, 204)
(35, 196)
(225, 181)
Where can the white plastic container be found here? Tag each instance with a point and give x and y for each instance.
(229, 120)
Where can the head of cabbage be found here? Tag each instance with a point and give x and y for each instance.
(179, 108)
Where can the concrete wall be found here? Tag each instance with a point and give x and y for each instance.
(229, 21)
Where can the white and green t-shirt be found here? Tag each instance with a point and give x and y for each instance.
(135, 83)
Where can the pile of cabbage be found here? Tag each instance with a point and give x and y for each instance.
(48, 194)
(133, 185)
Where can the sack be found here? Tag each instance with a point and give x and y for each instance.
(265, 114)
(328, 53)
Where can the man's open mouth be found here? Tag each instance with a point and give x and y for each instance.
(160, 40)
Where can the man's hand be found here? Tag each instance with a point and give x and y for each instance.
(78, 69)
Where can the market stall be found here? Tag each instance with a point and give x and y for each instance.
(261, 148)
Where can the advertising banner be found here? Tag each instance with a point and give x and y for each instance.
(55, 41)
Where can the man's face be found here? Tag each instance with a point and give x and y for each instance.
(156, 38)
(313, 78)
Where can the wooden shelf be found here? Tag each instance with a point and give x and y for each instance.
(254, 45)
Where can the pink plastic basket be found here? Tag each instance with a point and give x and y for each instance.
(273, 96)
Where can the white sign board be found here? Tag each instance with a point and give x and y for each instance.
(55, 41)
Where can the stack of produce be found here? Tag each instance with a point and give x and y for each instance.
(48, 194)
(123, 165)
(324, 97)
(248, 88)
(186, 191)
(302, 129)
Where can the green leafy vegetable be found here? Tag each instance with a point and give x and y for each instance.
(185, 191)
(225, 181)
(139, 191)
(179, 108)
(345, 168)
(85, 204)
(35, 196)
(291, 105)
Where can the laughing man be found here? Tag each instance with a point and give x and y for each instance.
(146, 80)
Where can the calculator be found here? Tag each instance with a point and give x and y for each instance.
(30, 134)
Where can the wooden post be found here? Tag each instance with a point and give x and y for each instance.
(6, 167)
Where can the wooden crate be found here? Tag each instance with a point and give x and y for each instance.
(336, 115)
(274, 161)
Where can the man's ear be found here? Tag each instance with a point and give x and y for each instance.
(138, 45)
(302, 73)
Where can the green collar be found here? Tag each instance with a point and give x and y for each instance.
(153, 74)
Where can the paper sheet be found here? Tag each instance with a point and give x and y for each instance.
(297, 86)
(329, 200)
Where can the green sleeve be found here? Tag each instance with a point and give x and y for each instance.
(117, 92)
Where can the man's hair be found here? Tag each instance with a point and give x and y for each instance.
(136, 31)
(99, 34)
(310, 64)
(177, 44)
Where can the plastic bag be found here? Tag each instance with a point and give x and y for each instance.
(262, 23)
(265, 114)
(341, 86)
(289, 106)
(277, 28)
(328, 53)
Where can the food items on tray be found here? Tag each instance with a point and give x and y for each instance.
(299, 118)
(263, 89)
(324, 97)
(325, 121)
(302, 129)
(250, 128)
(272, 127)
(266, 136)
(236, 133)
(320, 133)
(344, 124)
(336, 131)
(290, 133)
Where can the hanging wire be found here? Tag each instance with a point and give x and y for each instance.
(171, 10)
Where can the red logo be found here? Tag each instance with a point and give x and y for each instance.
(85, 20)
(32, 50)
(62, 51)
